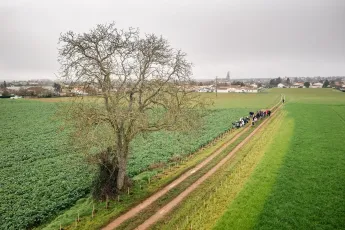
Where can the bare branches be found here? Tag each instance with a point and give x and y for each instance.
(143, 82)
(94, 56)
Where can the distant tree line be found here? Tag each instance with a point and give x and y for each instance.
(238, 83)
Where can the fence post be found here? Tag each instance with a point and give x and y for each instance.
(106, 202)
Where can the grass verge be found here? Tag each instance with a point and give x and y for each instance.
(244, 210)
(204, 204)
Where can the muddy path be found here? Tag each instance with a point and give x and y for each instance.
(168, 207)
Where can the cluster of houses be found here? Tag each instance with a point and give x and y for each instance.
(48, 88)
(300, 85)
(223, 89)
(312, 85)
(253, 88)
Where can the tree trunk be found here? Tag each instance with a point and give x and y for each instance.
(121, 175)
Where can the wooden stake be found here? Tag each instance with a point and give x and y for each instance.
(60, 227)
(118, 198)
(93, 211)
(78, 217)
(128, 190)
(106, 202)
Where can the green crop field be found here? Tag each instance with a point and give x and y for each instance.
(41, 174)
(262, 100)
(161, 146)
(300, 182)
(36, 177)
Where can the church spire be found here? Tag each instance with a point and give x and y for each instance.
(228, 76)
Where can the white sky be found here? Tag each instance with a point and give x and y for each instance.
(250, 38)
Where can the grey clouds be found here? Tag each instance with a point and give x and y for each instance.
(262, 38)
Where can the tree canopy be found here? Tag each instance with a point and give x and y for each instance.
(274, 82)
(143, 85)
(325, 84)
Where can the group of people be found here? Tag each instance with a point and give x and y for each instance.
(258, 115)
(242, 122)
(253, 117)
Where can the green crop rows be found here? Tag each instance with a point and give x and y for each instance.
(162, 146)
(37, 176)
(40, 174)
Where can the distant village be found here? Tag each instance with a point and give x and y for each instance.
(255, 85)
(50, 88)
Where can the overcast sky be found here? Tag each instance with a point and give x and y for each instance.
(249, 38)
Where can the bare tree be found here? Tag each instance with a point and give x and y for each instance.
(144, 88)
